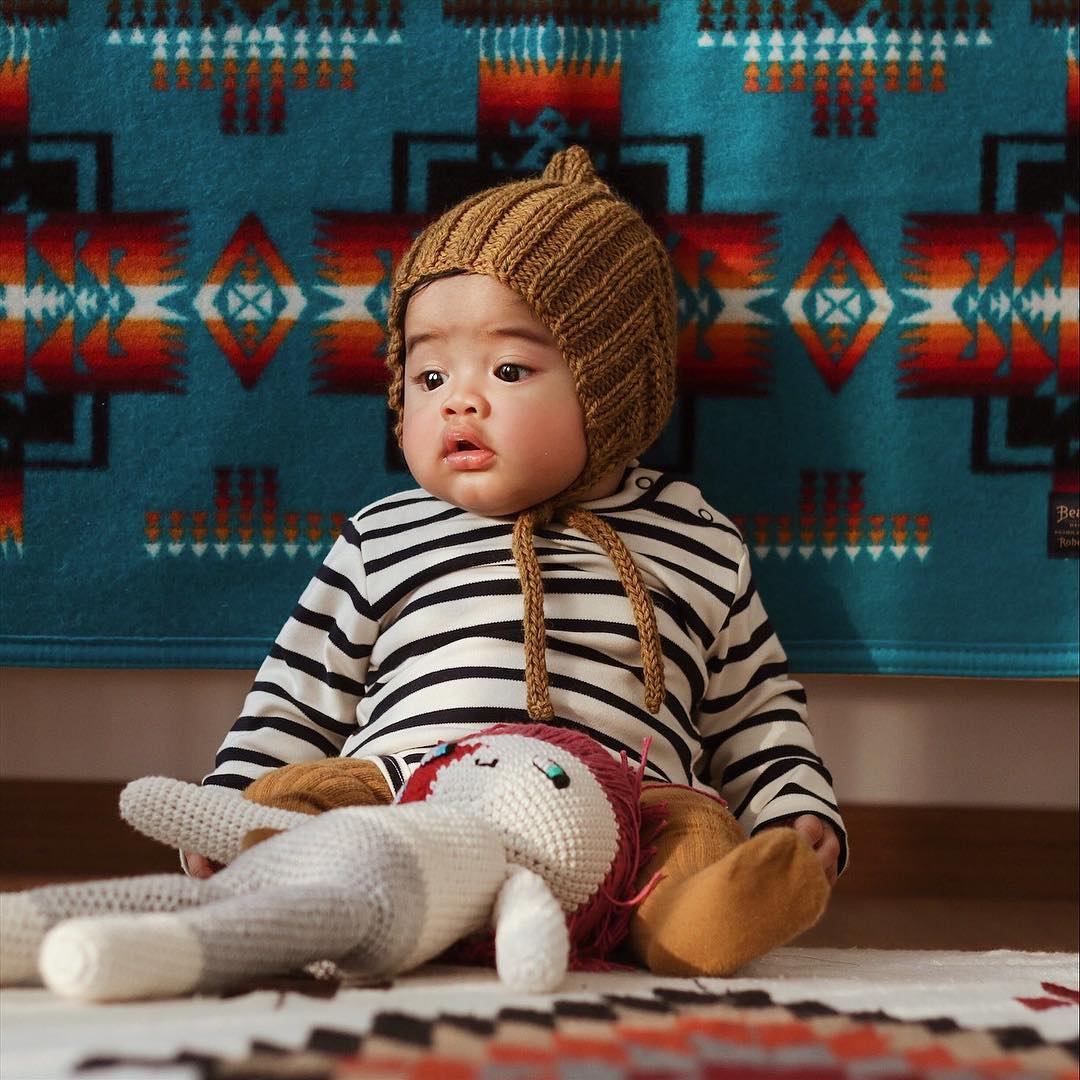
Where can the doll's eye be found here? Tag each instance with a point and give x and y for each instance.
(436, 752)
(553, 771)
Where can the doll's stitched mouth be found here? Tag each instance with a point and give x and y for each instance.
(490, 763)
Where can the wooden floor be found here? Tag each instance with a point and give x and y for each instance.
(921, 922)
(877, 922)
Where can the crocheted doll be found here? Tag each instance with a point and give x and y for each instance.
(527, 831)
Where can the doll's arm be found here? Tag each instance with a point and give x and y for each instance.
(210, 820)
(532, 946)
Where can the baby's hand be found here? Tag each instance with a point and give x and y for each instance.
(819, 834)
(198, 866)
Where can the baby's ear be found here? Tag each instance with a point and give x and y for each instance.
(210, 820)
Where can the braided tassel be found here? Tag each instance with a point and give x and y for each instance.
(537, 695)
(652, 660)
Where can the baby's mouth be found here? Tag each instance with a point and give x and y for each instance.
(462, 450)
(458, 440)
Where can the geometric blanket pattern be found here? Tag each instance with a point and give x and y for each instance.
(742, 1035)
(871, 207)
(799, 1014)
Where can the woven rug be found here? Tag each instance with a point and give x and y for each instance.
(822, 1014)
(871, 207)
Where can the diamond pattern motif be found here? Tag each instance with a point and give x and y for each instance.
(838, 305)
(250, 301)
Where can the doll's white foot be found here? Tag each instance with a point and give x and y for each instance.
(531, 941)
(121, 957)
(22, 928)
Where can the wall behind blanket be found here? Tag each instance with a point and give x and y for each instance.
(871, 207)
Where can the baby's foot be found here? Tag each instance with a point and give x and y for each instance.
(759, 896)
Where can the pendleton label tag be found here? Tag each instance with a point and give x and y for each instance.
(1063, 527)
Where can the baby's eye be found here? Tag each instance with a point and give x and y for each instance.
(430, 380)
(511, 372)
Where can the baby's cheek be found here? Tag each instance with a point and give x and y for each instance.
(416, 436)
(557, 438)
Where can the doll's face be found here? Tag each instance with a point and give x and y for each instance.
(492, 421)
(550, 810)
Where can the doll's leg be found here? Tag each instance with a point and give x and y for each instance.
(204, 948)
(724, 900)
(26, 917)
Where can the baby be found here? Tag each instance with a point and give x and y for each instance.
(540, 573)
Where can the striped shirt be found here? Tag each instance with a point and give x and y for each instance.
(411, 634)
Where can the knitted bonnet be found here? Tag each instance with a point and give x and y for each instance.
(599, 279)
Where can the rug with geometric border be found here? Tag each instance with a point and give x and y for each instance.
(798, 1014)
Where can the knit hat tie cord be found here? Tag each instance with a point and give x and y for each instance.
(537, 693)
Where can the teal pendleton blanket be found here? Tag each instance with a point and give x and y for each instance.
(871, 208)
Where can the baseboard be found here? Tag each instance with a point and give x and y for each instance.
(72, 827)
(992, 853)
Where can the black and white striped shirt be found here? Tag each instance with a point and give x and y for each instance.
(410, 634)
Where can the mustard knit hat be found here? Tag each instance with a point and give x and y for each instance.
(599, 279)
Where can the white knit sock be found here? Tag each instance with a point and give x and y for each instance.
(121, 957)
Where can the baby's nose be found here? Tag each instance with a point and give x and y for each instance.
(458, 406)
(464, 401)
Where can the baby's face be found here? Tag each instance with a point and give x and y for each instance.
(492, 421)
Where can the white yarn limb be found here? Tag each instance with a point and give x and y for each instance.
(361, 886)
(26, 917)
(117, 957)
(532, 946)
(22, 928)
(210, 820)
